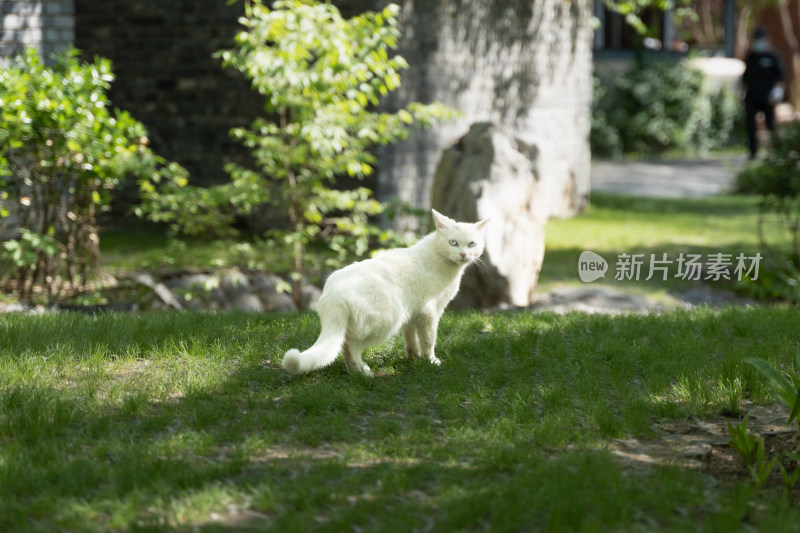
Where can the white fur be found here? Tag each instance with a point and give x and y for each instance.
(367, 302)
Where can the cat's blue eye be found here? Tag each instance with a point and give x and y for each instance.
(472, 244)
(453, 243)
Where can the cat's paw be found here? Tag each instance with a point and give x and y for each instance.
(435, 360)
(363, 368)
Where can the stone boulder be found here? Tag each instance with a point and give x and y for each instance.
(490, 174)
(267, 288)
(239, 293)
(230, 290)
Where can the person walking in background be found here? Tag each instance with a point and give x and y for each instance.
(763, 83)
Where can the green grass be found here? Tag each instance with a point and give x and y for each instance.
(619, 222)
(141, 246)
(183, 421)
(616, 224)
(613, 224)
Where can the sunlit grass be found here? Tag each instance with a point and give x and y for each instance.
(176, 421)
(617, 224)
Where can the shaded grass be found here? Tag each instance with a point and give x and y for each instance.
(182, 421)
(144, 246)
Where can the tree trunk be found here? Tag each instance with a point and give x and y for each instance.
(743, 23)
(297, 274)
(794, 47)
(298, 250)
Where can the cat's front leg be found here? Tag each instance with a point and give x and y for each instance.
(411, 336)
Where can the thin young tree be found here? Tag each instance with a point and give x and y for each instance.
(322, 76)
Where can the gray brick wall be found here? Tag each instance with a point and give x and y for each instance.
(166, 76)
(48, 25)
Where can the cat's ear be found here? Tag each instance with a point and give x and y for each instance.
(482, 223)
(439, 220)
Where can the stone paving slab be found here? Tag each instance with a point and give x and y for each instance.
(667, 179)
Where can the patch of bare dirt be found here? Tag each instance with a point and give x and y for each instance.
(702, 444)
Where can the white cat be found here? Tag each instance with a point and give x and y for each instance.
(367, 302)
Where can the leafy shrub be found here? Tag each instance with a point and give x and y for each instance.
(659, 106)
(785, 388)
(62, 152)
(785, 385)
(776, 180)
(727, 120)
(322, 77)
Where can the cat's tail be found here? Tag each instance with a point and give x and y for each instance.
(324, 351)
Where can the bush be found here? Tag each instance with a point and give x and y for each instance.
(776, 179)
(62, 152)
(661, 106)
(322, 77)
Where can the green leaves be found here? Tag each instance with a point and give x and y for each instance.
(743, 442)
(658, 106)
(298, 52)
(25, 252)
(785, 385)
(786, 389)
(323, 74)
(62, 150)
(322, 77)
(777, 176)
(750, 448)
(633, 10)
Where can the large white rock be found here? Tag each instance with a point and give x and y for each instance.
(489, 174)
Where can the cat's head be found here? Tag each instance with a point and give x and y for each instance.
(458, 242)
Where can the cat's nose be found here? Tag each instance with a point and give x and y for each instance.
(463, 254)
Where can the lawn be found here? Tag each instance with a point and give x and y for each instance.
(181, 421)
(185, 421)
(612, 225)
(616, 224)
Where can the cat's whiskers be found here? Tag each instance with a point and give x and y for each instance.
(480, 264)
